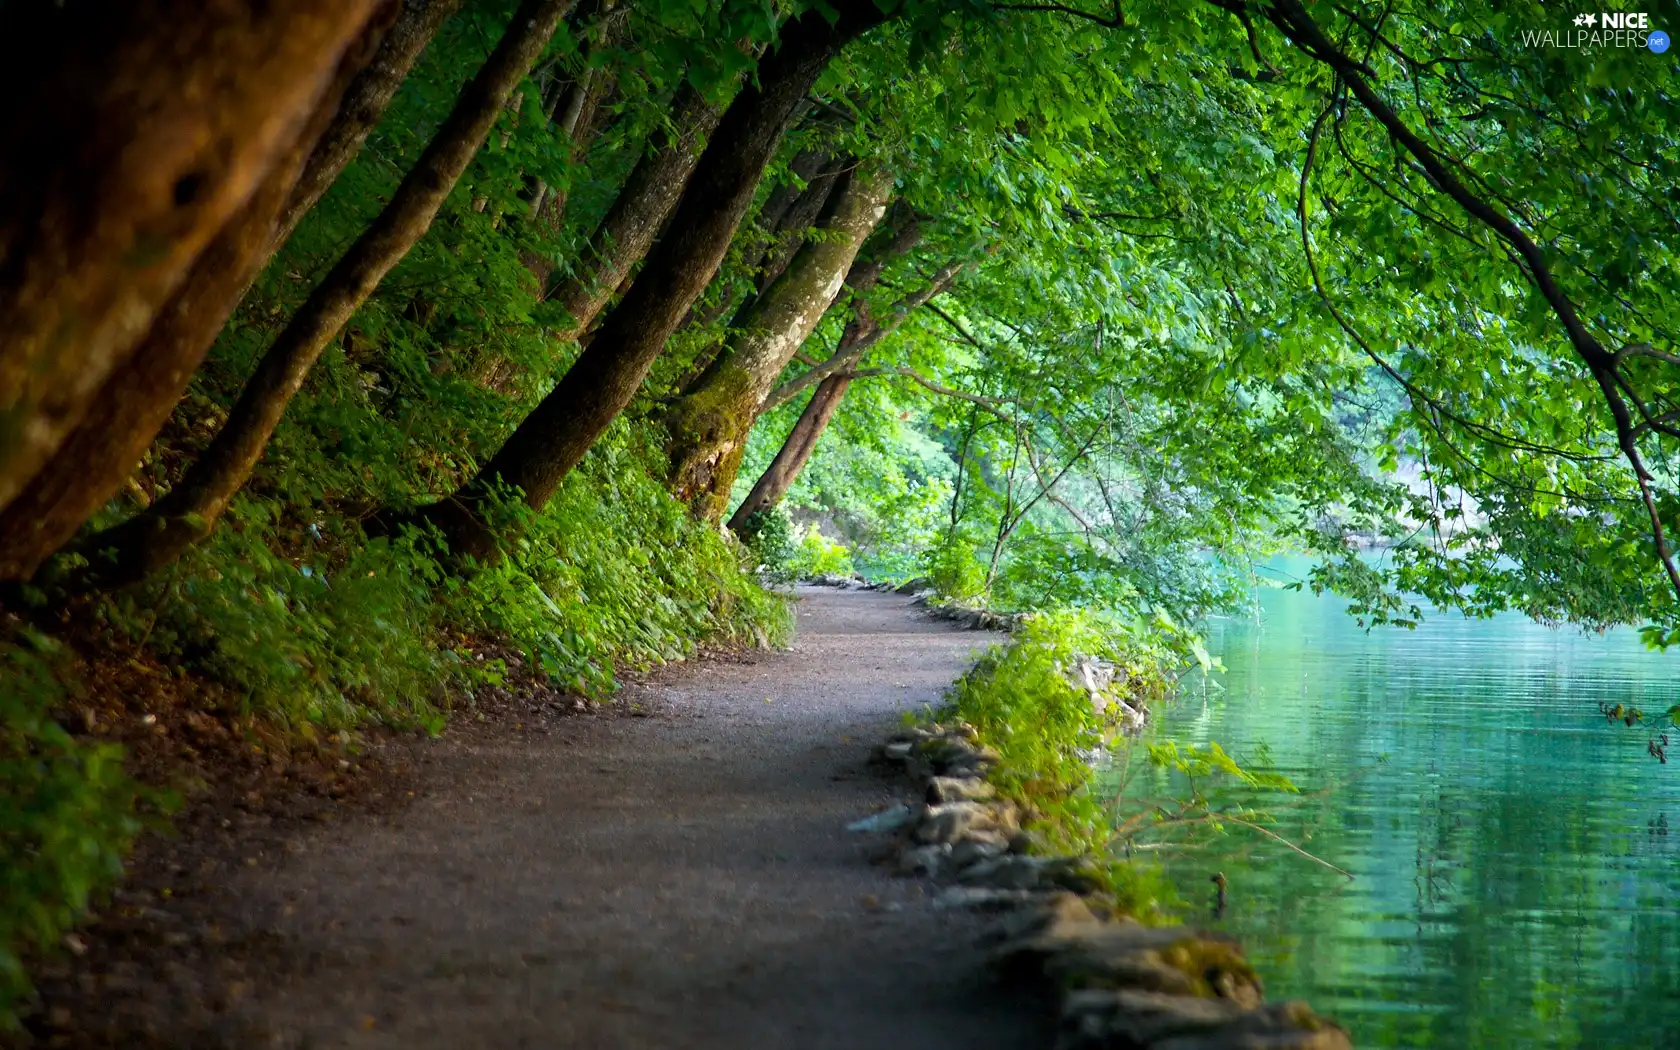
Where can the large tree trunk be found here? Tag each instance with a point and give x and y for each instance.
(625, 233)
(134, 403)
(365, 101)
(781, 224)
(795, 452)
(190, 510)
(132, 132)
(708, 426)
(557, 434)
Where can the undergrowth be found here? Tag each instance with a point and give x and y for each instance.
(312, 629)
(68, 818)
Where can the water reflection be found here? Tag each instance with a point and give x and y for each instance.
(1517, 883)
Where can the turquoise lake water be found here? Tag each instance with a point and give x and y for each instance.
(1516, 860)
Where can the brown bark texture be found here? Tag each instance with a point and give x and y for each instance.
(646, 200)
(795, 452)
(787, 213)
(136, 400)
(132, 132)
(189, 511)
(364, 104)
(598, 386)
(708, 425)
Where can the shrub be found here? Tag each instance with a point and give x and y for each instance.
(769, 536)
(953, 568)
(616, 572)
(68, 815)
(817, 555)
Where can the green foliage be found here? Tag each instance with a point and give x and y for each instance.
(335, 634)
(817, 555)
(1024, 700)
(68, 814)
(787, 551)
(1065, 758)
(954, 569)
(615, 573)
(769, 536)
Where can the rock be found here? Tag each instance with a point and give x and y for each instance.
(959, 820)
(897, 751)
(920, 583)
(973, 850)
(1127, 954)
(980, 898)
(958, 789)
(1280, 1026)
(927, 860)
(1008, 872)
(1099, 1018)
(1056, 914)
(887, 820)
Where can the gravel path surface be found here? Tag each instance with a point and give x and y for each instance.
(677, 880)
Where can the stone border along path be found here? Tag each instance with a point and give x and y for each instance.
(682, 879)
(1115, 983)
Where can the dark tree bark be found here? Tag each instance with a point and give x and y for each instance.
(365, 101)
(134, 403)
(190, 510)
(708, 426)
(643, 204)
(781, 223)
(132, 133)
(795, 452)
(563, 427)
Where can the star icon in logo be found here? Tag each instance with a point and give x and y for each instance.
(1592, 20)
(1580, 20)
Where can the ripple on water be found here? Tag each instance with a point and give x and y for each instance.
(1517, 860)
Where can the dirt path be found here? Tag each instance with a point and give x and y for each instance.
(677, 880)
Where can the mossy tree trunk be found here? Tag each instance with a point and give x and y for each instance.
(190, 510)
(779, 228)
(708, 425)
(138, 397)
(562, 428)
(132, 133)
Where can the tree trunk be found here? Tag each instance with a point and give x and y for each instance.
(134, 403)
(708, 426)
(133, 132)
(364, 105)
(557, 434)
(573, 116)
(626, 232)
(190, 510)
(795, 452)
(787, 213)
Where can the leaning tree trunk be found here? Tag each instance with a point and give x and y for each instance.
(781, 224)
(557, 434)
(132, 133)
(190, 510)
(795, 452)
(708, 425)
(644, 202)
(134, 403)
(365, 101)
